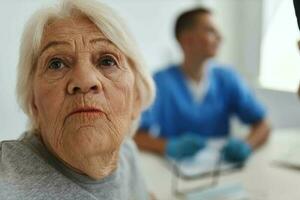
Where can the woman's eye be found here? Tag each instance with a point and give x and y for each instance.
(107, 61)
(56, 64)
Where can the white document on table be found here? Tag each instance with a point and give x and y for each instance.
(205, 161)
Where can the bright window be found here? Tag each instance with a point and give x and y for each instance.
(280, 57)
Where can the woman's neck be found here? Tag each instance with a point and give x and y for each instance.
(97, 166)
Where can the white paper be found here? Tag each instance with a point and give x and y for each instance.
(205, 161)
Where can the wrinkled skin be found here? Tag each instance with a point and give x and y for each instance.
(84, 96)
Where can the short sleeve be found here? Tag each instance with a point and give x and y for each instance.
(243, 101)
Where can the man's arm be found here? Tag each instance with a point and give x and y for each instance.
(259, 134)
(146, 142)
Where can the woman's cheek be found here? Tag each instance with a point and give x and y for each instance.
(49, 102)
(121, 99)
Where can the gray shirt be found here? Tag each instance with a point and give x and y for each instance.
(29, 171)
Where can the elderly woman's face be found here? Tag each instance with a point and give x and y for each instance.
(84, 96)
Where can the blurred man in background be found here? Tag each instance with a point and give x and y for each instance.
(196, 99)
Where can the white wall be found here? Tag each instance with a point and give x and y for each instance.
(13, 15)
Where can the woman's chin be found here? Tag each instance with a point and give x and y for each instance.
(90, 142)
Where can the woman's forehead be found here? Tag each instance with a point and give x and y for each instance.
(72, 25)
(70, 30)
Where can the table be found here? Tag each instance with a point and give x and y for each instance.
(261, 177)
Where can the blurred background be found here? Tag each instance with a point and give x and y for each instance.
(260, 42)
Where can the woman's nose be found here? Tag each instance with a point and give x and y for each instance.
(84, 79)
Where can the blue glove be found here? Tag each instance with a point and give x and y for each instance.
(236, 150)
(184, 146)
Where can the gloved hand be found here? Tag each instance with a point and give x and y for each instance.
(184, 146)
(236, 150)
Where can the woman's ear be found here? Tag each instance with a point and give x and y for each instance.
(35, 113)
(137, 105)
(34, 107)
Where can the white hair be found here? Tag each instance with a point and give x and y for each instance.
(110, 24)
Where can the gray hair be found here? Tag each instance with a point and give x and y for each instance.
(111, 26)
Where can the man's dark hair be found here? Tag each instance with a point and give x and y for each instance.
(187, 20)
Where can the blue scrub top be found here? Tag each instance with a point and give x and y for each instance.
(175, 111)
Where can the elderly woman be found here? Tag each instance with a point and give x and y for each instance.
(82, 84)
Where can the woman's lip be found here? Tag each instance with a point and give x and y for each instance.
(84, 110)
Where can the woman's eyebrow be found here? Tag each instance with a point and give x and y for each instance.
(100, 39)
(53, 43)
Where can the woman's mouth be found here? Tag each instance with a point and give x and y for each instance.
(85, 111)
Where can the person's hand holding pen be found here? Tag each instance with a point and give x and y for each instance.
(236, 150)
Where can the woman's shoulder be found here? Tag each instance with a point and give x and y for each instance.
(129, 152)
(11, 151)
(131, 171)
(17, 160)
(25, 175)
(13, 167)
